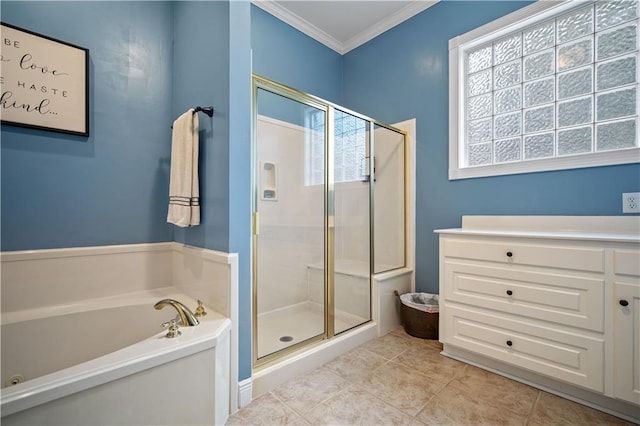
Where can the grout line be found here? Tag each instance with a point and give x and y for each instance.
(390, 405)
(533, 407)
(301, 415)
(418, 345)
(316, 403)
(427, 403)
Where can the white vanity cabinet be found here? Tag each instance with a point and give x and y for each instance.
(627, 325)
(539, 299)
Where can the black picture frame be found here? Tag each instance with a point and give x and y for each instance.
(44, 82)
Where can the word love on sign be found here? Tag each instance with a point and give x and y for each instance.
(44, 82)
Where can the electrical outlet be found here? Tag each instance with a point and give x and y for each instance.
(631, 202)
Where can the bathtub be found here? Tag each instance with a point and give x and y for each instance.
(107, 361)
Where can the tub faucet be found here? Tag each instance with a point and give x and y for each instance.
(186, 316)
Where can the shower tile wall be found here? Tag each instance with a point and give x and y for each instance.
(291, 226)
(352, 221)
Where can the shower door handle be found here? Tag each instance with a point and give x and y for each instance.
(256, 224)
(366, 168)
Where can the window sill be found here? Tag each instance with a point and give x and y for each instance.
(623, 156)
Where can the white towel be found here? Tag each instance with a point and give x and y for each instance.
(184, 194)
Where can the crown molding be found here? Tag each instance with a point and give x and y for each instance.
(321, 36)
(389, 22)
(300, 24)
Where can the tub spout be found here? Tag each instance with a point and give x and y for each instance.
(186, 316)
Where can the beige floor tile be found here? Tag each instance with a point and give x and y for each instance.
(305, 392)
(266, 410)
(430, 363)
(356, 364)
(398, 385)
(554, 410)
(356, 407)
(452, 406)
(428, 343)
(388, 346)
(400, 379)
(496, 391)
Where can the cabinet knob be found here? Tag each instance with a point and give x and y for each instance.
(509, 343)
(623, 302)
(509, 292)
(509, 254)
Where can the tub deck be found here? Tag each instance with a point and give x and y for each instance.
(150, 352)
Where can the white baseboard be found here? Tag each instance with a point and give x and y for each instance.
(245, 391)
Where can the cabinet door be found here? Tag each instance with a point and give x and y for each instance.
(627, 339)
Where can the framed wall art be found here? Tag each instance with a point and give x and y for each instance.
(44, 82)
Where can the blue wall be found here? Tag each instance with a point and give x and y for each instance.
(150, 61)
(201, 77)
(284, 54)
(110, 188)
(212, 66)
(403, 74)
(240, 183)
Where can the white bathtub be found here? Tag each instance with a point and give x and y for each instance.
(106, 361)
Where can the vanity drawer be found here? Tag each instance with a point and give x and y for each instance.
(518, 253)
(552, 295)
(565, 356)
(626, 262)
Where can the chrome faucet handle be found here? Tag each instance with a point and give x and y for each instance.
(200, 312)
(172, 327)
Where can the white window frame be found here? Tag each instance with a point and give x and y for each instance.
(458, 46)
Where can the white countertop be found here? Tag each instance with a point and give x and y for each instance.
(595, 228)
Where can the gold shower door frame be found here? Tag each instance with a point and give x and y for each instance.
(259, 82)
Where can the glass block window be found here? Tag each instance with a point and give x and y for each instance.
(559, 83)
(349, 148)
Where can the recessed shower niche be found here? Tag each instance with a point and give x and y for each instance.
(268, 181)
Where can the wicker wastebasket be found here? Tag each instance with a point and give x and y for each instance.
(419, 313)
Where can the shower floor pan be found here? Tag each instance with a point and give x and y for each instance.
(281, 328)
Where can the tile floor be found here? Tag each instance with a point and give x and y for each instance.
(398, 379)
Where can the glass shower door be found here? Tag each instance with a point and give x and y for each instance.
(389, 200)
(352, 253)
(289, 242)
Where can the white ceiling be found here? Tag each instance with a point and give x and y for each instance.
(343, 25)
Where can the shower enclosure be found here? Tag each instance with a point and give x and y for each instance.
(325, 179)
